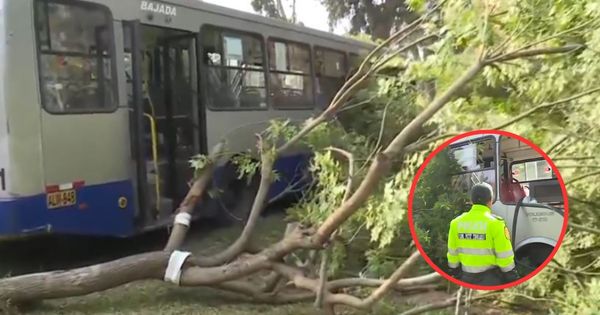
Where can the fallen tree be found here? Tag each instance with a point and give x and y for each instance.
(227, 270)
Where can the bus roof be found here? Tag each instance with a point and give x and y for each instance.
(216, 9)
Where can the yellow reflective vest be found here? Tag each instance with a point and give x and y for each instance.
(479, 241)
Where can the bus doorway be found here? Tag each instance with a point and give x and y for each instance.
(165, 120)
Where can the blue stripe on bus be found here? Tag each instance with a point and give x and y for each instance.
(291, 171)
(97, 212)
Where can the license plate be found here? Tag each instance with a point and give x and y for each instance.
(61, 199)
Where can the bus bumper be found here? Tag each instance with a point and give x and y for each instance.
(97, 212)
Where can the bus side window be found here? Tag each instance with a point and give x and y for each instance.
(291, 75)
(331, 70)
(75, 57)
(235, 73)
(478, 163)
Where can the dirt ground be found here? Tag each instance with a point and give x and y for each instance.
(155, 297)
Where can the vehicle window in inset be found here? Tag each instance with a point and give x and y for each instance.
(537, 180)
(531, 170)
(235, 76)
(75, 56)
(477, 161)
(291, 80)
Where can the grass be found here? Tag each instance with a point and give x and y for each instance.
(155, 297)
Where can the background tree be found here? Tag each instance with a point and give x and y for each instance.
(437, 202)
(374, 17)
(276, 9)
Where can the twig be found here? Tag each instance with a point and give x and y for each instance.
(556, 144)
(414, 43)
(352, 106)
(382, 127)
(350, 158)
(541, 299)
(442, 304)
(322, 279)
(553, 36)
(573, 158)
(458, 301)
(518, 54)
(546, 105)
(584, 228)
(577, 166)
(422, 144)
(584, 176)
(576, 272)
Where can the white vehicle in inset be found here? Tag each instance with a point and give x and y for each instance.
(527, 193)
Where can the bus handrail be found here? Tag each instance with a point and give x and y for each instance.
(154, 138)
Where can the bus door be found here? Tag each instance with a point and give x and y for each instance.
(165, 124)
(535, 223)
(177, 111)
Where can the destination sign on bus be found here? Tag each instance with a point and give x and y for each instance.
(159, 8)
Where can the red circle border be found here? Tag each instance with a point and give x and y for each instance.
(420, 172)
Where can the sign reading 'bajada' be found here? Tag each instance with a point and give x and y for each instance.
(159, 8)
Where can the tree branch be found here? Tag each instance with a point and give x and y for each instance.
(390, 283)
(257, 207)
(557, 144)
(519, 54)
(584, 228)
(249, 289)
(353, 83)
(320, 294)
(191, 199)
(423, 144)
(584, 176)
(442, 304)
(546, 105)
(365, 282)
(301, 281)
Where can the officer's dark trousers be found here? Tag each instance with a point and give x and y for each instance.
(486, 278)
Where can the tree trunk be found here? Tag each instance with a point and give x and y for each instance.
(82, 281)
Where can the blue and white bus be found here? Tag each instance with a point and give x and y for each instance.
(103, 102)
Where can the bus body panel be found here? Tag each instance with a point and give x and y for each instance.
(21, 96)
(4, 157)
(39, 149)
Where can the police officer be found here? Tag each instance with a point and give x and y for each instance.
(479, 247)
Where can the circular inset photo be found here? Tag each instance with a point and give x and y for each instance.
(488, 209)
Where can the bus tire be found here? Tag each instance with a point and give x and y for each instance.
(234, 199)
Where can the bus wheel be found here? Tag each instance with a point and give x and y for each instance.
(533, 255)
(235, 197)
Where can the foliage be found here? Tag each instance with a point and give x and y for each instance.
(507, 90)
(525, 88)
(501, 93)
(373, 17)
(275, 9)
(435, 204)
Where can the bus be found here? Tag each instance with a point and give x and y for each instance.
(527, 193)
(103, 103)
